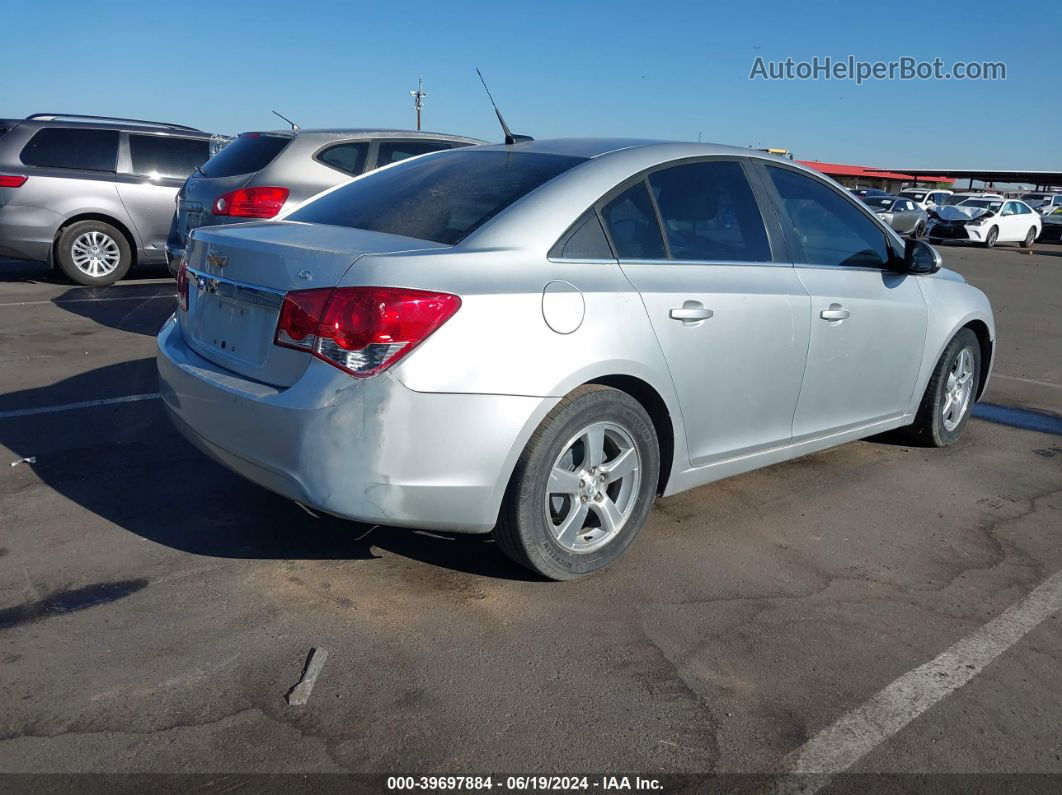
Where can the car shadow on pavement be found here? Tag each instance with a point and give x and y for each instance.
(138, 308)
(126, 463)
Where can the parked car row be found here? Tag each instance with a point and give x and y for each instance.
(980, 217)
(96, 195)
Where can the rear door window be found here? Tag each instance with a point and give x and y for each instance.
(392, 151)
(827, 227)
(631, 222)
(585, 240)
(249, 153)
(710, 213)
(67, 147)
(160, 156)
(348, 158)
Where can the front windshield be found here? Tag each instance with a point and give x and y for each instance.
(907, 194)
(881, 202)
(984, 204)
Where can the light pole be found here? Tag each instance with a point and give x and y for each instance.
(418, 98)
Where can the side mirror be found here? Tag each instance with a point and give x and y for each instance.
(920, 257)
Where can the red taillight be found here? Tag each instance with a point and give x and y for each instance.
(300, 315)
(182, 285)
(251, 202)
(362, 330)
(11, 181)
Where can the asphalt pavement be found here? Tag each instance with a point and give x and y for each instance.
(155, 610)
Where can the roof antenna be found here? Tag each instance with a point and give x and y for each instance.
(510, 139)
(294, 126)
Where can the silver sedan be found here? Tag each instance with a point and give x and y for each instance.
(538, 339)
(901, 214)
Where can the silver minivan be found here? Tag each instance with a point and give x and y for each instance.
(92, 195)
(262, 174)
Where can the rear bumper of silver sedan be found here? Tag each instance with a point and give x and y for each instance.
(370, 450)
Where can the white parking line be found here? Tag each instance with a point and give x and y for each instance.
(857, 733)
(84, 404)
(1027, 380)
(91, 300)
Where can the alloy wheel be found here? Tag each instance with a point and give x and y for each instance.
(95, 254)
(593, 487)
(958, 390)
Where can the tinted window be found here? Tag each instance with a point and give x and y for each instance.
(710, 213)
(249, 153)
(984, 204)
(158, 156)
(346, 157)
(876, 201)
(393, 151)
(632, 224)
(826, 225)
(64, 147)
(442, 199)
(586, 240)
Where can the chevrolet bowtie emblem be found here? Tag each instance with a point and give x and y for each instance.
(216, 258)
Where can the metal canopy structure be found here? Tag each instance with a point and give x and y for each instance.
(1038, 178)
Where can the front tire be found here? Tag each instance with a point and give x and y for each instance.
(993, 235)
(583, 486)
(951, 393)
(93, 253)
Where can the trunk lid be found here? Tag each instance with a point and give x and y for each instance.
(239, 274)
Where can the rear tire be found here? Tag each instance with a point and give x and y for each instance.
(1030, 238)
(583, 486)
(919, 231)
(950, 395)
(93, 253)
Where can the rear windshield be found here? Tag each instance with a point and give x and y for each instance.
(907, 194)
(249, 153)
(879, 201)
(443, 198)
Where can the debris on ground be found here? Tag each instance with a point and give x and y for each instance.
(31, 460)
(300, 694)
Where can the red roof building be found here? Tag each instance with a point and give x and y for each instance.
(865, 177)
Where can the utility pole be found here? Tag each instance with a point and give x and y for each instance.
(418, 98)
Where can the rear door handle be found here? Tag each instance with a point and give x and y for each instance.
(691, 312)
(834, 313)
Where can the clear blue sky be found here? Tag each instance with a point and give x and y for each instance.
(646, 69)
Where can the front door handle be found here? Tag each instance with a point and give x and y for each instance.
(835, 313)
(691, 312)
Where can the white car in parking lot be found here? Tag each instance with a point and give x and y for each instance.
(986, 221)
